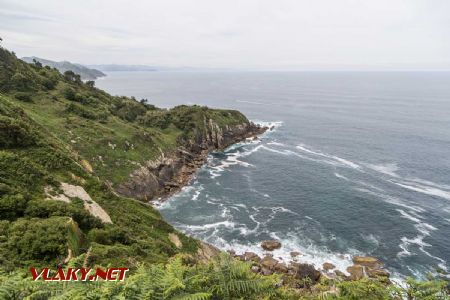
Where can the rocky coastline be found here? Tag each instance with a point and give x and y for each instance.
(363, 266)
(159, 179)
(156, 180)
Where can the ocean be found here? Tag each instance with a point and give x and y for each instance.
(357, 163)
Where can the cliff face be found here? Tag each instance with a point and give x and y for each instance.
(164, 176)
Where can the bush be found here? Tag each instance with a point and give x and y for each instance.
(49, 208)
(38, 239)
(20, 82)
(15, 133)
(69, 93)
(129, 110)
(12, 206)
(85, 113)
(23, 96)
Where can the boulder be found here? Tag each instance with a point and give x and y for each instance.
(328, 266)
(271, 245)
(356, 272)
(266, 271)
(250, 256)
(255, 269)
(206, 252)
(374, 273)
(281, 268)
(269, 262)
(340, 274)
(303, 271)
(367, 261)
(294, 254)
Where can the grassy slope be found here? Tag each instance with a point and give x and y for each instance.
(50, 125)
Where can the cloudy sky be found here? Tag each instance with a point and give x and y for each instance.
(265, 34)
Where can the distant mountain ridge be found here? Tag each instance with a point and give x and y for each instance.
(117, 67)
(63, 66)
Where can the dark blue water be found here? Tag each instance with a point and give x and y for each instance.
(358, 163)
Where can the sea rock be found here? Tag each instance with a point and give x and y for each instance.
(251, 256)
(232, 252)
(294, 254)
(266, 271)
(356, 272)
(340, 274)
(281, 268)
(303, 271)
(374, 273)
(367, 261)
(269, 262)
(328, 266)
(270, 245)
(206, 252)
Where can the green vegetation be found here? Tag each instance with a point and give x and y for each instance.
(221, 278)
(54, 129)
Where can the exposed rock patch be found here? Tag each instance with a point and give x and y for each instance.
(74, 191)
(175, 240)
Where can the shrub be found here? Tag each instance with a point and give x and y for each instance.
(83, 112)
(23, 96)
(38, 239)
(12, 206)
(69, 93)
(15, 133)
(20, 82)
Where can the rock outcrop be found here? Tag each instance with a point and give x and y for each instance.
(74, 191)
(166, 175)
(271, 245)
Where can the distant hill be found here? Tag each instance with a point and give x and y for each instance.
(85, 72)
(116, 67)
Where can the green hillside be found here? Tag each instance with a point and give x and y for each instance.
(56, 129)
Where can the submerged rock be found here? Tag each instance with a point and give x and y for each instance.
(271, 245)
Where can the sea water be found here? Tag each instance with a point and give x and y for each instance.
(356, 163)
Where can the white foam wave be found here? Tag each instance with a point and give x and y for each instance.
(310, 253)
(271, 125)
(341, 176)
(204, 227)
(392, 200)
(428, 190)
(342, 161)
(387, 169)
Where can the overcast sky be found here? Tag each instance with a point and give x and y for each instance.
(268, 34)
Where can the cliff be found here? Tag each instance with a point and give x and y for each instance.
(73, 154)
(169, 172)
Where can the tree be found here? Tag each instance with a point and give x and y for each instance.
(90, 83)
(37, 63)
